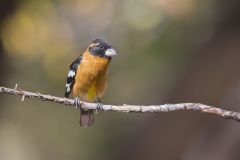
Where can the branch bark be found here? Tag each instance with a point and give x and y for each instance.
(126, 108)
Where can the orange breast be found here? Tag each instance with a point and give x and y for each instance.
(91, 77)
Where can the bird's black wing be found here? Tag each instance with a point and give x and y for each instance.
(71, 76)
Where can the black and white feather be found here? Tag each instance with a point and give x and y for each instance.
(71, 76)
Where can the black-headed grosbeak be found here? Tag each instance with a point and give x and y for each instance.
(87, 76)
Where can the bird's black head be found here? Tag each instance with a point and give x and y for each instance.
(101, 48)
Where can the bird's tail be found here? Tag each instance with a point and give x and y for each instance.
(86, 118)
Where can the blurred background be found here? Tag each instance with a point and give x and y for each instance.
(169, 51)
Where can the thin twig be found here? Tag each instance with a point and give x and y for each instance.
(126, 108)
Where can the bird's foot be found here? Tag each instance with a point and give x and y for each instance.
(99, 106)
(77, 102)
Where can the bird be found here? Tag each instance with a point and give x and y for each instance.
(87, 77)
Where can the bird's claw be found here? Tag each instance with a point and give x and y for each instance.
(99, 107)
(77, 102)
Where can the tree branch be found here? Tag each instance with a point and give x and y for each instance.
(126, 108)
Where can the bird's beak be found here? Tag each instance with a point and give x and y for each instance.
(110, 52)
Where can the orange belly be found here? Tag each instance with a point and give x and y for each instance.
(91, 78)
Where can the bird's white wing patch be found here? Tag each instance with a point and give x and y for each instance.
(68, 89)
(71, 73)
